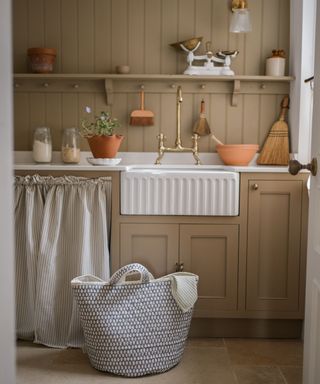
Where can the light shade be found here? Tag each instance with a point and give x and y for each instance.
(240, 21)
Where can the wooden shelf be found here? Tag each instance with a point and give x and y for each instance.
(154, 83)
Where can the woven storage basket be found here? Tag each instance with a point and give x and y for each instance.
(131, 328)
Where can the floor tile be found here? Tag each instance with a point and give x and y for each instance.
(206, 342)
(265, 352)
(293, 375)
(258, 375)
(50, 366)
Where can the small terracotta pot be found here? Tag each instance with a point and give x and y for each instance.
(42, 59)
(105, 147)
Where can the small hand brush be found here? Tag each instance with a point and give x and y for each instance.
(201, 127)
(141, 117)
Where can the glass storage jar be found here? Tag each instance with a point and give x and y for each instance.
(42, 145)
(70, 150)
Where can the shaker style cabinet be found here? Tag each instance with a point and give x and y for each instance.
(274, 246)
(210, 251)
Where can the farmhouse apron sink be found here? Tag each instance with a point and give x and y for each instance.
(192, 191)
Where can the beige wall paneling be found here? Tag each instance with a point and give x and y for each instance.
(102, 36)
(252, 64)
(284, 29)
(218, 117)
(220, 24)
(153, 245)
(152, 38)
(251, 107)
(150, 141)
(169, 34)
(86, 54)
(54, 118)
(186, 27)
(70, 113)
(84, 100)
(268, 114)
(22, 132)
(69, 36)
(234, 124)
(274, 235)
(202, 22)
(187, 119)
(37, 103)
(20, 35)
(121, 112)
(120, 18)
(211, 251)
(36, 23)
(168, 118)
(52, 29)
(270, 29)
(136, 36)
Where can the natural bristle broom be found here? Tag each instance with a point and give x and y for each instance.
(141, 117)
(201, 127)
(275, 150)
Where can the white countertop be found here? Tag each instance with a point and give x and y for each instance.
(138, 160)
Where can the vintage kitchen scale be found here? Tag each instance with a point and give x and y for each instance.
(209, 67)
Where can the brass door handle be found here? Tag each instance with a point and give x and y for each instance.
(295, 167)
(255, 186)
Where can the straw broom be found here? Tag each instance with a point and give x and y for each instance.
(275, 150)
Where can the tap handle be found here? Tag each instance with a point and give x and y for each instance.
(161, 137)
(195, 138)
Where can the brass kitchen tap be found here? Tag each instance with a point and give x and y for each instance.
(178, 144)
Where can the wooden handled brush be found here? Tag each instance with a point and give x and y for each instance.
(201, 127)
(275, 150)
(141, 117)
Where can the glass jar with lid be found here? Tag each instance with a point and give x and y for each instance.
(70, 150)
(42, 145)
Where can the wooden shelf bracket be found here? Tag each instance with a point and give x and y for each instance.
(108, 86)
(235, 93)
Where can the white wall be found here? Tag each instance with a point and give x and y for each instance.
(7, 325)
(302, 42)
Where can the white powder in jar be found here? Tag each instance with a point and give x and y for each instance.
(70, 155)
(42, 152)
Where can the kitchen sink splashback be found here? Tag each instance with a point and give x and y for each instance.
(179, 192)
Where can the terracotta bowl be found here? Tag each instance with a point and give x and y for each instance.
(237, 154)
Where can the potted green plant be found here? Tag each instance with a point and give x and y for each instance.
(100, 134)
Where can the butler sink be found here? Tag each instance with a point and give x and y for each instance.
(175, 190)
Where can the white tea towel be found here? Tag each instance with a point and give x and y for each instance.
(184, 289)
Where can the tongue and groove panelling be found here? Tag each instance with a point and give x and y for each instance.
(93, 36)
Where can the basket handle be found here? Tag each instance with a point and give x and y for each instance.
(120, 276)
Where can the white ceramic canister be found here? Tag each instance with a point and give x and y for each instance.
(42, 146)
(276, 64)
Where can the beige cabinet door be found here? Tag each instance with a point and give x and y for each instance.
(211, 252)
(273, 252)
(153, 245)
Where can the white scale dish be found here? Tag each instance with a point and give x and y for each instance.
(106, 161)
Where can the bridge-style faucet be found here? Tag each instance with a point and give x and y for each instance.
(178, 144)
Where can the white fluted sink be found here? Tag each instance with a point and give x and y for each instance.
(174, 190)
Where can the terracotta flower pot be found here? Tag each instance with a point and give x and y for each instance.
(103, 147)
(42, 59)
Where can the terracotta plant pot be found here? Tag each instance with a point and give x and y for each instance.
(42, 59)
(237, 154)
(105, 147)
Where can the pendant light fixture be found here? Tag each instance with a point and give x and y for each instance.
(240, 20)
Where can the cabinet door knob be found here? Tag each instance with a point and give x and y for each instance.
(295, 166)
(255, 186)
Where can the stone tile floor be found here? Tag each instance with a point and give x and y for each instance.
(205, 361)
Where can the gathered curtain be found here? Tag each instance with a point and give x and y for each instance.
(62, 228)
